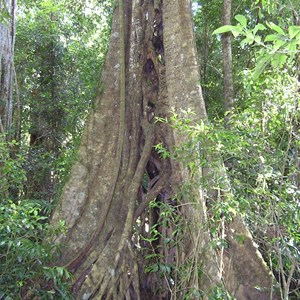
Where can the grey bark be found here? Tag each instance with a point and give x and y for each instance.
(7, 41)
(227, 59)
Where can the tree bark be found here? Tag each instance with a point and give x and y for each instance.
(7, 41)
(227, 60)
(152, 58)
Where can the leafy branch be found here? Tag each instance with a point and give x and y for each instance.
(275, 48)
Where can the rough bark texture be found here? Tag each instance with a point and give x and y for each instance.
(106, 192)
(246, 275)
(7, 41)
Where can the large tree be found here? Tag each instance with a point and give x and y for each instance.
(7, 41)
(151, 69)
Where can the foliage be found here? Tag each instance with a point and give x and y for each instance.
(4, 14)
(25, 261)
(206, 17)
(59, 51)
(274, 49)
(267, 178)
(166, 236)
(167, 216)
(11, 168)
(261, 144)
(23, 258)
(260, 151)
(60, 48)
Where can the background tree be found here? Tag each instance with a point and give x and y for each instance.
(7, 31)
(7, 43)
(227, 59)
(58, 62)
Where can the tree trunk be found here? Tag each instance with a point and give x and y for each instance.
(227, 59)
(7, 41)
(151, 68)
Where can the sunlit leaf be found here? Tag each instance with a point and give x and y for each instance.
(246, 41)
(272, 37)
(259, 27)
(293, 31)
(275, 27)
(261, 65)
(292, 46)
(257, 39)
(241, 19)
(278, 60)
(235, 30)
(278, 44)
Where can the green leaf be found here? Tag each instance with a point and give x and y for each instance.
(241, 19)
(246, 41)
(236, 32)
(228, 28)
(153, 255)
(292, 46)
(293, 31)
(152, 269)
(275, 27)
(278, 44)
(257, 39)
(261, 65)
(259, 27)
(272, 38)
(60, 271)
(279, 59)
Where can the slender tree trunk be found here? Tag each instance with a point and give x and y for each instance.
(227, 60)
(151, 68)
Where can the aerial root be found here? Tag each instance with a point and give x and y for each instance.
(124, 284)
